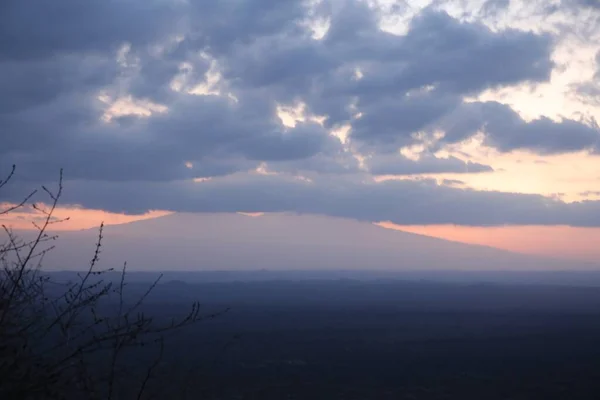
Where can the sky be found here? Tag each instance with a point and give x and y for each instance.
(474, 121)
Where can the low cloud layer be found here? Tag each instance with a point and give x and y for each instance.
(419, 202)
(137, 99)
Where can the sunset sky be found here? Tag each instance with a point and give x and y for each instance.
(469, 120)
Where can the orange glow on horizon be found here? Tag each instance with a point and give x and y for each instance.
(79, 218)
(551, 241)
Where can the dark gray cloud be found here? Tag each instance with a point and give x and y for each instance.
(57, 58)
(468, 57)
(451, 59)
(216, 136)
(396, 164)
(457, 58)
(333, 159)
(594, 4)
(218, 26)
(506, 130)
(438, 51)
(402, 202)
(33, 83)
(57, 48)
(393, 120)
(36, 29)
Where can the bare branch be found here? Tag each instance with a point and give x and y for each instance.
(19, 205)
(151, 370)
(53, 334)
(9, 177)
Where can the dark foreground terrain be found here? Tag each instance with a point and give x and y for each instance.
(381, 339)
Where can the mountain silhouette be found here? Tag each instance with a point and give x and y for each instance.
(280, 242)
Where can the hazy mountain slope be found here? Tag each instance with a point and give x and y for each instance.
(279, 242)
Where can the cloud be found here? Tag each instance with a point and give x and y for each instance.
(37, 29)
(452, 182)
(493, 7)
(393, 120)
(29, 84)
(589, 193)
(334, 159)
(505, 130)
(438, 51)
(594, 4)
(396, 164)
(589, 92)
(139, 96)
(467, 57)
(399, 201)
(214, 134)
(218, 26)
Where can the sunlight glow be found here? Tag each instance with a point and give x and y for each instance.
(129, 106)
(78, 218)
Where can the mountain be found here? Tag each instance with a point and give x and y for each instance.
(279, 242)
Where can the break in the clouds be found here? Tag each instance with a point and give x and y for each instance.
(283, 105)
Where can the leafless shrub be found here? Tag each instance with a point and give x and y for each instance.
(61, 340)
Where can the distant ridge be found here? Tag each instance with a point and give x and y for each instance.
(170, 277)
(278, 242)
